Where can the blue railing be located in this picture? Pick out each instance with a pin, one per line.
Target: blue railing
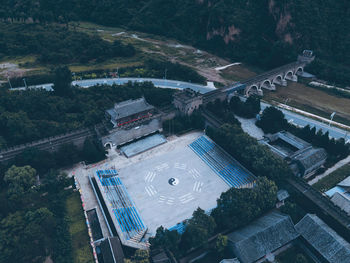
(124, 210)
(221, 163)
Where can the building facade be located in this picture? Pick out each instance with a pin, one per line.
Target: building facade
(129, 111)
(187, 101)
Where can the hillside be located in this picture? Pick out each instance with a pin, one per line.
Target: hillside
(265, 33)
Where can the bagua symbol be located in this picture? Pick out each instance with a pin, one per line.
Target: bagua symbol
(173, 181)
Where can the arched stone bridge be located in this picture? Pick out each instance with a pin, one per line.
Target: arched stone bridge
(278, 76)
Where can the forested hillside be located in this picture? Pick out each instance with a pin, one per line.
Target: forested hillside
(265, 33)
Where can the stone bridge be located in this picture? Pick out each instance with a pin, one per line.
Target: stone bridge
(269, 79)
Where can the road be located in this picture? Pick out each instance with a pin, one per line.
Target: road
(294, 118)
(302, 121)
(161, 83)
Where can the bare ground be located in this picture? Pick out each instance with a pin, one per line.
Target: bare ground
(312, 100)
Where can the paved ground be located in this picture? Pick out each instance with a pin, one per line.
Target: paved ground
(302, 121)
(146, 177)
(248, 126)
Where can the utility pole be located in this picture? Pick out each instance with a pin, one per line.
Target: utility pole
(8, 79)
(332, 116)
(25, 83)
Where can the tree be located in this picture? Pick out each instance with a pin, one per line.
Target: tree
(237, 207)
(165, 239)
(272, 120)
(221, 245)
(300, 258)
(141, 256)
(91, 152)
(62, 81)
(198, 229)
(20, 180)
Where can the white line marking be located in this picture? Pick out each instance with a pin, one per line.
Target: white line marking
(195, 174)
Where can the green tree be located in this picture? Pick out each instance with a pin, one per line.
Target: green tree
(272, 120)
(221, 245)
(165, 239)
(92, 153)
(198, 229)
(62, 81)
(141, 256)
(300, 258)
(20, 180)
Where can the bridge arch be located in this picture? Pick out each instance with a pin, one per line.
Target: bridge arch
(289, 75)
(299, 71)
(253, 89)
(266, 81)
(278, 79)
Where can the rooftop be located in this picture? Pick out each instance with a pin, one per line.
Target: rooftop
(262, 236)
(324, 239)
(342, 200)
(186, 95)
(128, 108)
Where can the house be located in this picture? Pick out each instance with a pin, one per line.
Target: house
(129, 111)
(262, 237)
(187, 101)
(301, 156)
(323, 241)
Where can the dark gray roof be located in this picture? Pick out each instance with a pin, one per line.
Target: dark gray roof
(310, 157)
(262, 236)
(282, 195)
(129, 107)
(293, 140)
(121, 136)
(326, 241)
(232, 260)
(342, 200)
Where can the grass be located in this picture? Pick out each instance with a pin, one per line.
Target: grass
(312, 100)
(289, 256)
(333, 179)
(78, 231)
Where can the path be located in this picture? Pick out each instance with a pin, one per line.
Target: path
(330, 170)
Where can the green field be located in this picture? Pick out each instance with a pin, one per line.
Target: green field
(78, 231)
(333, 179)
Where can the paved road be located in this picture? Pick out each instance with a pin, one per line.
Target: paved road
(303, 121)
(162, 83)
(173, 84)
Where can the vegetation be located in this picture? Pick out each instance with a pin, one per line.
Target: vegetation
(333, 179)
(272, 120)
(293, 255)
(182, 123)
(236, 208)
(277, 33)
(82, 252)
(254, 156)
(293, 210)
(33, 225)
(248, 109)
(56, 44)
(22, 121)
(140, 256)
